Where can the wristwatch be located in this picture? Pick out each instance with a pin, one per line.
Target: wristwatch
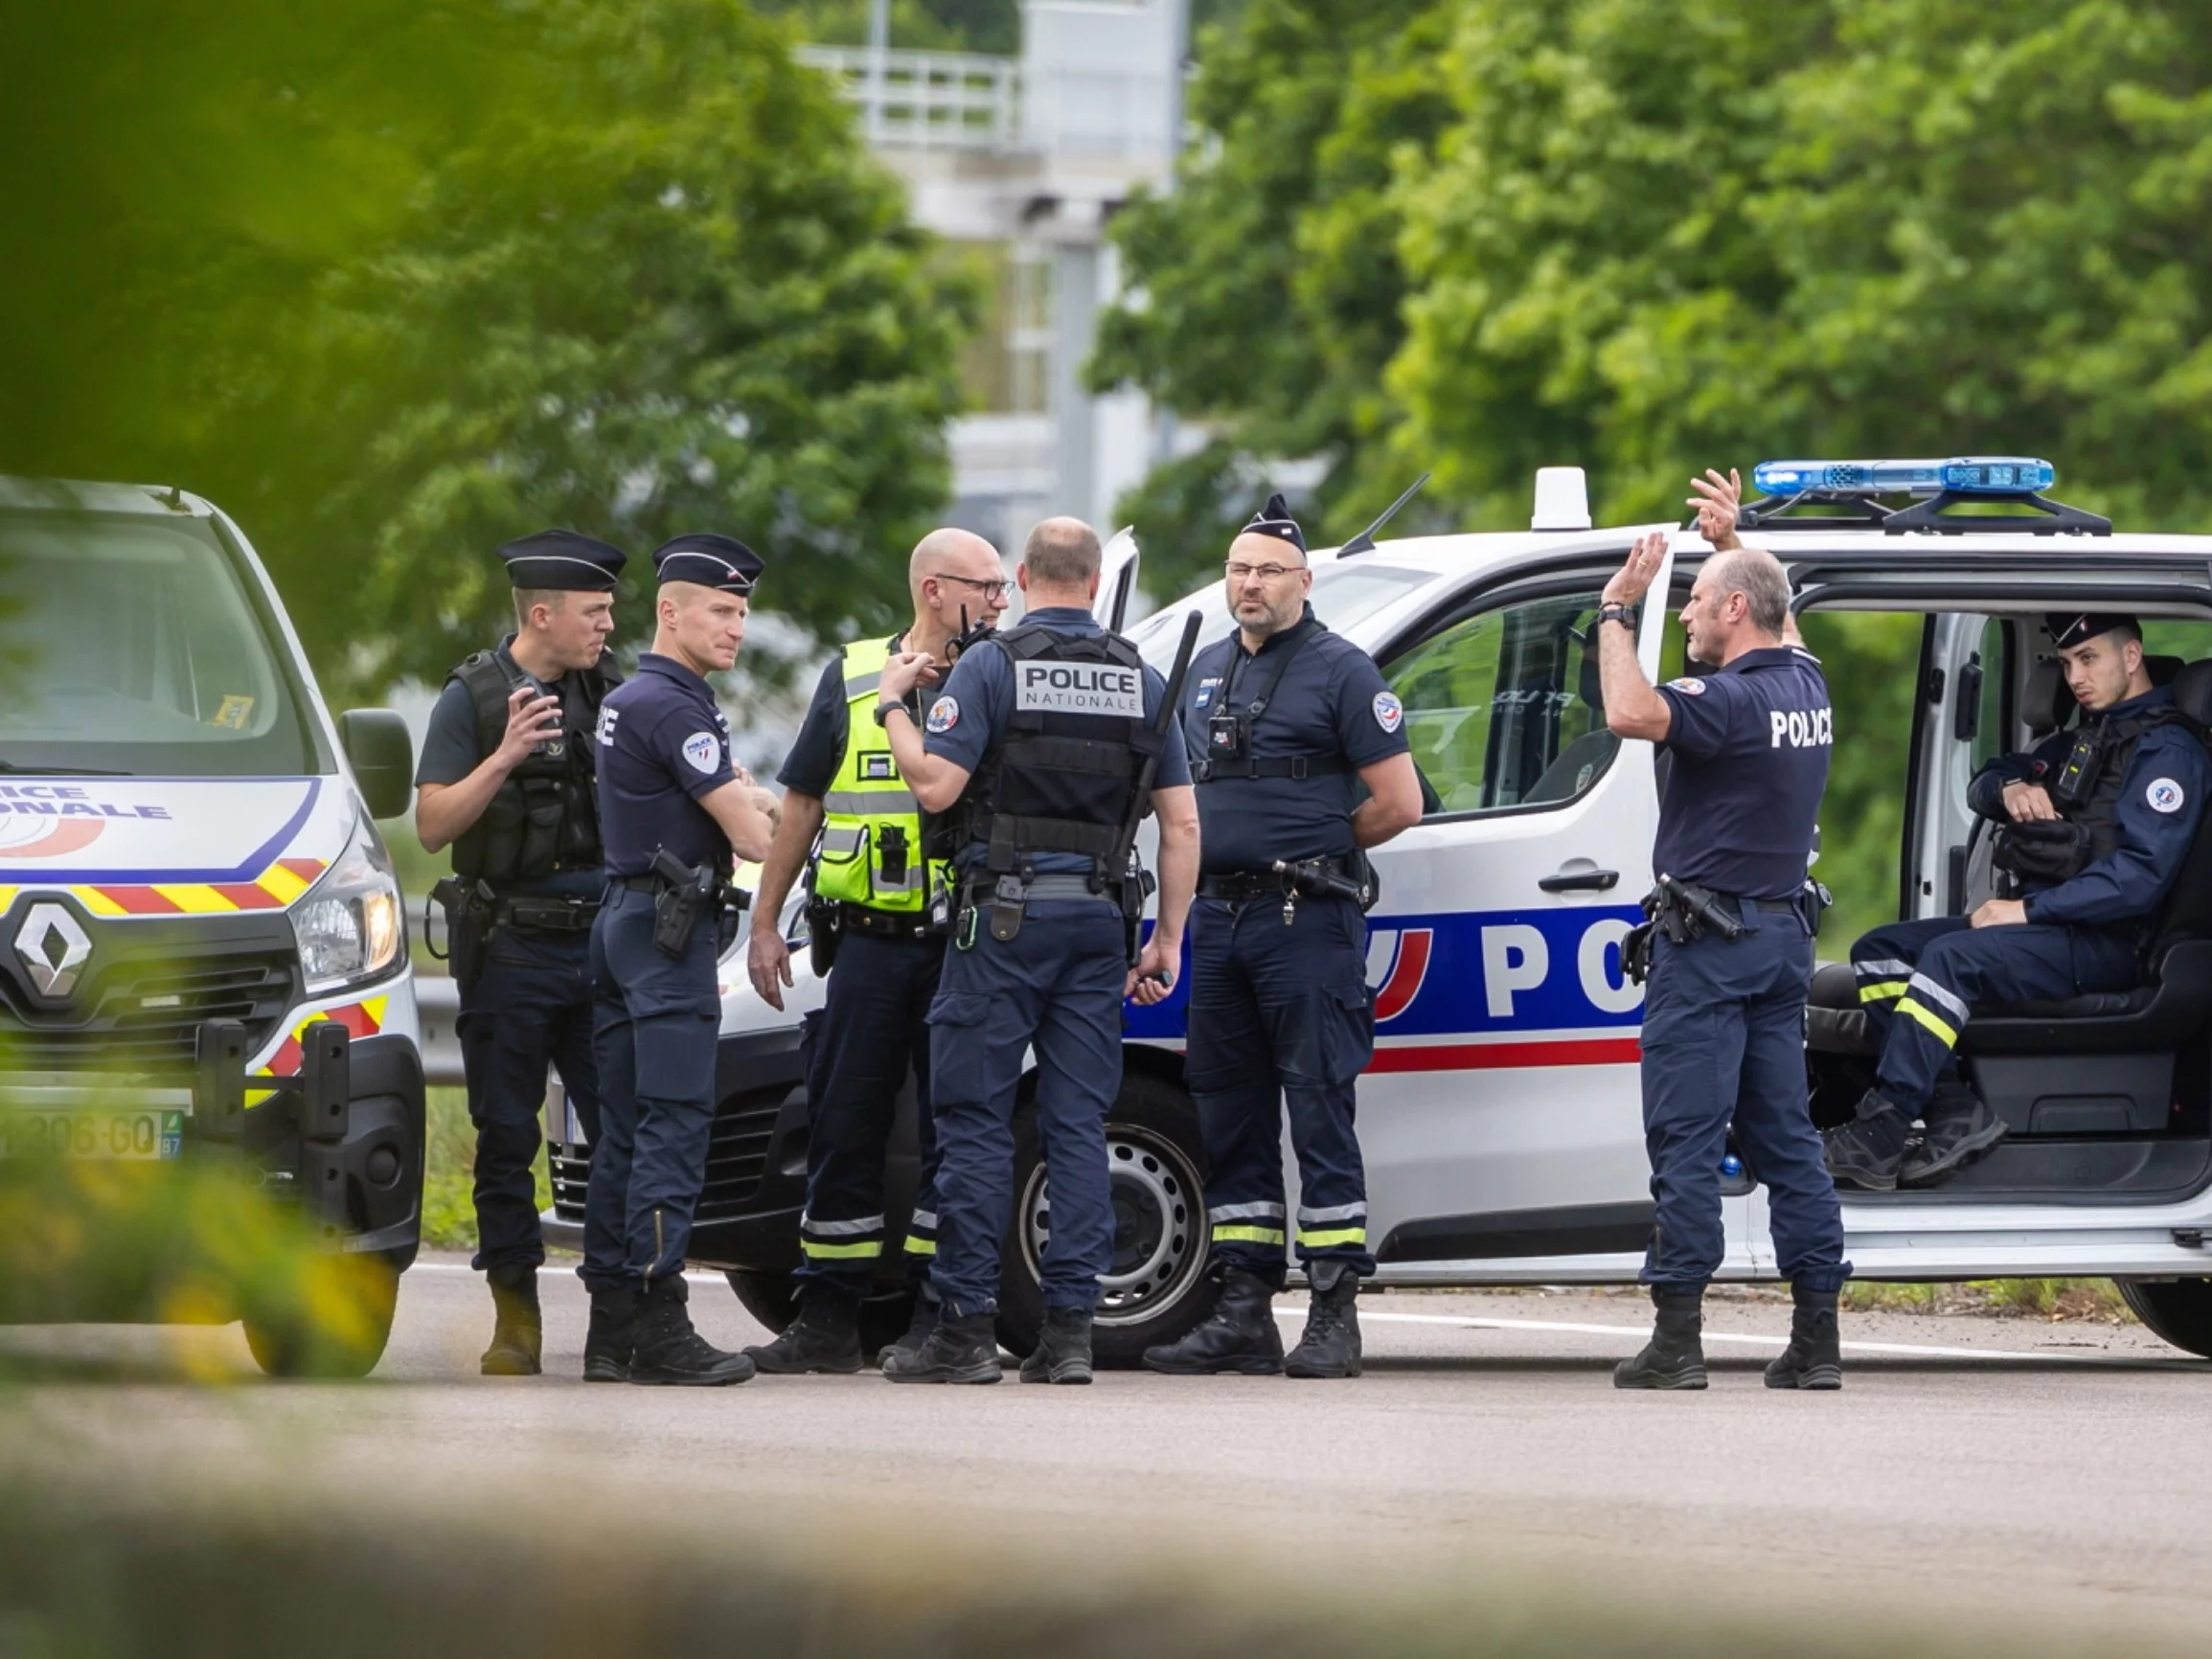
(884, 714)
(1623, 614)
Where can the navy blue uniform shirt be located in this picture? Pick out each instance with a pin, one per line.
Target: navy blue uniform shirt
(969, 718)
(1330, 700)
(662, 745)
(451, 751)
(2155, 818)
(1751, 746)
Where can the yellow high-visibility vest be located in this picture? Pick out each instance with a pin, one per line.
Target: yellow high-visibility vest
(871, 823)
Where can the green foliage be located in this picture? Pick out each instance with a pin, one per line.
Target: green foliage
(449, 1173)
(393, 285)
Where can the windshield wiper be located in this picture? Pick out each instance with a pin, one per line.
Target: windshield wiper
(60, 771)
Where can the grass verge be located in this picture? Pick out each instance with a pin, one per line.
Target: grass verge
(2089, 1301)
(449, 1161)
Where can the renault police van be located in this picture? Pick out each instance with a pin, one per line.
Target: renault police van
(202, 954)
(1500, 1118)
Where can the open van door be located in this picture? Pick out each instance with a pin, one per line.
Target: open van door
(1117, 580)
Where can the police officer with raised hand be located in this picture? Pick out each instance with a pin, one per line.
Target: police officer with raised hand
(1729, 951)
(672, 809)
(1049, 740)
(506, 781)
(885, 908)
(2094, 826)
(1292, 724)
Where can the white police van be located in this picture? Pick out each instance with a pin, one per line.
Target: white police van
(202, 955)
(1500, 1118)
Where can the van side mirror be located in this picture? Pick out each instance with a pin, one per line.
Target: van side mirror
(382, 757)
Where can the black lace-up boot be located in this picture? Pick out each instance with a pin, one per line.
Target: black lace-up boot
(1815, 1357)
(517, 1328)
(1330, 1345)
(1063, 1351)
(1868, 1152)
(956, 1350)
(1961, 1130)
(670, 1351)
(826, 1336)
(1674, 1357)
(613, 1335)
(1241, 1336)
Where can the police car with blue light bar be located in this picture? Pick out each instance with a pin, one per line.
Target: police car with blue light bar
(1500, 1119)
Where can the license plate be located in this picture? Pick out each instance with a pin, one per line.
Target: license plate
(89, 1133)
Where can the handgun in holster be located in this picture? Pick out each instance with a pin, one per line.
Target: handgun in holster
(469, 907)
(1326, 878)
(679, 902)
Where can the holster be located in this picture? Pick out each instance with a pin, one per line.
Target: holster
(2051, 849)
(1636, 953)
(1009, 908)
(469, 907)
(679, 902)
(825, 933)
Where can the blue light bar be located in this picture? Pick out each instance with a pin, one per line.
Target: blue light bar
(1961, 475)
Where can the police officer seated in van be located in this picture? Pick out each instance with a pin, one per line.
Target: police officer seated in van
(2093, 826)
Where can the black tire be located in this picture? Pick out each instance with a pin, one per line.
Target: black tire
(773, 1300)
(2178, 1309)
(1159, 1288)
(346, 1343)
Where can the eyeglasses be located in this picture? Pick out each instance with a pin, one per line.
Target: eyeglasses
(989, 589)
(1264, 572)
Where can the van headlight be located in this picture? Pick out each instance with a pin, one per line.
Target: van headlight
(348, 924)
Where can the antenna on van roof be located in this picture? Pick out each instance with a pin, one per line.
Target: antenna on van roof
(1364, 541)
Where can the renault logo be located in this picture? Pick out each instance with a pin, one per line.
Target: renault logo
(53, 947)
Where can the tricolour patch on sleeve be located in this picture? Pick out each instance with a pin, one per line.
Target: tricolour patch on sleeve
(1389, 711)
(1695, 687)
(944, 714)
(2164, 795)
(704, 751)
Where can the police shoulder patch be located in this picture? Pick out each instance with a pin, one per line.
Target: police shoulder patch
(703, 750)
(2164, 795)
(944, 714)
(1695, 687)
(1389, 711)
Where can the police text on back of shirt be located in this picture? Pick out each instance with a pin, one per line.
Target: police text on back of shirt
(1080, 688)
(1801, 728)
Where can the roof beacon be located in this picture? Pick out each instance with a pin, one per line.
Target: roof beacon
(2011, 475)
(1563, 499)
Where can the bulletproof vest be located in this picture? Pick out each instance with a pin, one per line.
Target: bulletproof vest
(870, 849)
(1064, 777)
(544, 817)
(2087, 789)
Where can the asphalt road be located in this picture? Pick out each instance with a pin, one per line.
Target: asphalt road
(2001, 1475)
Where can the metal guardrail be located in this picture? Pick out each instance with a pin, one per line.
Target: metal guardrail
(927, 100)
(437, 1004)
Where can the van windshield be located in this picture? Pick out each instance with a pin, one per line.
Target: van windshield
(1344, 594)
(128, 644)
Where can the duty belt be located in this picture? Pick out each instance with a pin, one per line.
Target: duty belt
(983, 889)
(1237, 886)
(546, 914)
(884, 924)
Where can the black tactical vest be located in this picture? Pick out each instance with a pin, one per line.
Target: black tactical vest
(1063, 779)
(545, 815)
(2096, 805)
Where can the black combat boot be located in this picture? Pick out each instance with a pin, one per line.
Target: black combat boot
(1815, 1358)
(1961, 1130)
(1674, 1357)
(668, 1351)
(962, 1350)
(1063, 1350)
(613, 1335)
(826, 1336)
(1240, 1336)
(918, 1327)
(1330, 1345)
(517, 1329)
(1867, 1151)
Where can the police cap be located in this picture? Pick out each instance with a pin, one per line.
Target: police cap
(562, 559)
(1274, 519)
(2068, 629)
(708, 560)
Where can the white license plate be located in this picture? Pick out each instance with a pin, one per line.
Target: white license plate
(92, 1132)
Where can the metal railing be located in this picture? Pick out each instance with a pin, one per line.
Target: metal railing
(927, 100)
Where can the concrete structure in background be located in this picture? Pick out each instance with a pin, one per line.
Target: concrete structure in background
(1025, 159)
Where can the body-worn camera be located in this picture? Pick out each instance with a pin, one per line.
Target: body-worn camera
(1229, 737)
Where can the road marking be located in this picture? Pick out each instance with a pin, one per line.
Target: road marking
(1642, 1332)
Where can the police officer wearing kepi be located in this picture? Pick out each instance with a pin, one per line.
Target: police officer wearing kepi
(672, 809)
(506, 781)
(883, 908)
(1293, 725)
(2093, 826)
(1051, 738)
(1730, 953)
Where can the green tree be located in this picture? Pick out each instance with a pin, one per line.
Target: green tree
(630, 270)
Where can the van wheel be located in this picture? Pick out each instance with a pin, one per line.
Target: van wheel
(1157, 1288)
(338, 1330)
(2178, 1309)
(773, 1300)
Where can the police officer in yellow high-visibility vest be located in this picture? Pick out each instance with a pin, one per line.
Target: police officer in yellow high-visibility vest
(847, 811)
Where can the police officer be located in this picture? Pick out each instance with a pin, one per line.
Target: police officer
(1042, 735)
(1730, 957)
(506, 781)
(672, 811)
(2094, 827)
(1292, 725)
(884, 907)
